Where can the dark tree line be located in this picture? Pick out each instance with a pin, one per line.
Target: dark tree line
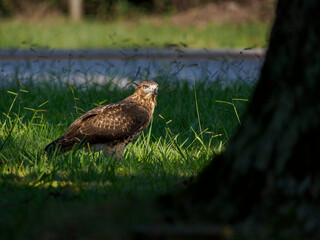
(104, 9)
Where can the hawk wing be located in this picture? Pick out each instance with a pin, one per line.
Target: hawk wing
(113, 122)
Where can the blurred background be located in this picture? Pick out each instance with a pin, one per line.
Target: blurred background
(79, 24)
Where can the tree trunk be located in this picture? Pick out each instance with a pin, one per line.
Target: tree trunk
(76, 9)
(271, 167)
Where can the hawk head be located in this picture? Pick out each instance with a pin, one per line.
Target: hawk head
(147, 90)
(145, 95)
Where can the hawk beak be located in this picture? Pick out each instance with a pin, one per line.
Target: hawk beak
(155, 91)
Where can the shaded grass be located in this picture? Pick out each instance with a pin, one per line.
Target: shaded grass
(61, 34)
(191, 123)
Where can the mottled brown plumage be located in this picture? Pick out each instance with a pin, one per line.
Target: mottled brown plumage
(111, 127)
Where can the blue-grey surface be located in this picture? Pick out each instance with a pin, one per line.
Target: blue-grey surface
(100, 66)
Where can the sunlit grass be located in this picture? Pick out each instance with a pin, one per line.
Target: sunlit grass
(61, 34)
(192, 122)
(196, 126)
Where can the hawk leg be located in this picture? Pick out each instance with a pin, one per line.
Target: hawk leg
(117, 150)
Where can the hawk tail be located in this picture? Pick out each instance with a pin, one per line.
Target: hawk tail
(62, 145)
(52, 147)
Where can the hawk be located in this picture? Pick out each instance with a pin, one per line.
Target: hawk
(111, 127)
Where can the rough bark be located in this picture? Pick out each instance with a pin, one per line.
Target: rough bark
(273, 161)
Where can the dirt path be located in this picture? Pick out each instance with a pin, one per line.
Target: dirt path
(132, 54)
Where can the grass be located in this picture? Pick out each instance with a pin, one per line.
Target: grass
(52, 197)
(62, 34)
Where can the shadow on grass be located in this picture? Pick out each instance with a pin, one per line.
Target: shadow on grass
(65, 211)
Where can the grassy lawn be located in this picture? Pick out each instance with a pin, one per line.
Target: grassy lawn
(81, 194)
(62, 34)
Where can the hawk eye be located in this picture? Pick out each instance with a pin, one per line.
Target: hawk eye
(144, 86)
